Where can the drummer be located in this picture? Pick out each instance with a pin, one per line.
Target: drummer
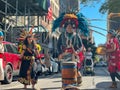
(71, 25)
(70, 40)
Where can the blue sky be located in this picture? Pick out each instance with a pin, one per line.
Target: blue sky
(93, 13)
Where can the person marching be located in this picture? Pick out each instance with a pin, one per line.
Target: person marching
(29, 52)
(112, 53)
(69, 41)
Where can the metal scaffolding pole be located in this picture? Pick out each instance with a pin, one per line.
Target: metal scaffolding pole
(6, 7)
(25, 16)
(28, 18)
(16, 11)
(38, 22)
(8, 4)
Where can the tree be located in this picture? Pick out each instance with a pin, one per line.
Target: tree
(111, 6)
(108, 5)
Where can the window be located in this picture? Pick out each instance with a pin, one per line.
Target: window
(15, 49)
(5, 49)
(9, 48)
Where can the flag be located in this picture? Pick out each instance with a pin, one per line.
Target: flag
(49, 14)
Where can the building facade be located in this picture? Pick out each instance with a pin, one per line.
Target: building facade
(66, 5)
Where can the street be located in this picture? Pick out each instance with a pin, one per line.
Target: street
(38, 35)
(101, 81)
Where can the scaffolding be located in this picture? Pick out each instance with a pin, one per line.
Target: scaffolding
(17, 8)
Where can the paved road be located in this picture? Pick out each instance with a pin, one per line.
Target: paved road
(101, 81)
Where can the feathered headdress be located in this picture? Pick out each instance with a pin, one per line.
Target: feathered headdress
(25, 33)
(77, 20)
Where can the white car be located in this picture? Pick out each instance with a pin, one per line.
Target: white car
(43, 69)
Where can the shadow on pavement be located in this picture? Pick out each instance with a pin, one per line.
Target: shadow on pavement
(106, 85)
(57, 81)
(50, 88)
(21, 89)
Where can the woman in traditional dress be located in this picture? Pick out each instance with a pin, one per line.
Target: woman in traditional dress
(27, 74)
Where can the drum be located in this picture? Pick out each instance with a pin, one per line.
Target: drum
(69, 73)
(101, 50)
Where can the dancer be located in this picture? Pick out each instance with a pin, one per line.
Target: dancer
(71, 25)
(29, 52)
(112, 51)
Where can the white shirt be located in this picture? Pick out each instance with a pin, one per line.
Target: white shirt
(88, 55)
(1, 48)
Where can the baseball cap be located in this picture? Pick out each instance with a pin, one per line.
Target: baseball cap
(1, 33)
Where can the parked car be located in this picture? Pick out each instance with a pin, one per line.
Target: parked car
(38, 67)
(42, 69)
(11, 61)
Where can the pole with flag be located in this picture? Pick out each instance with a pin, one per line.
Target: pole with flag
(49, 14)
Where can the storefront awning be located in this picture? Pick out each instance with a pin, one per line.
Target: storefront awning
(40, 28)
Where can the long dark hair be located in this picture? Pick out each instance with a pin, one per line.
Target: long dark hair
(26, 42)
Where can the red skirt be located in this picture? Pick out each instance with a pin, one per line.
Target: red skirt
(114, 68)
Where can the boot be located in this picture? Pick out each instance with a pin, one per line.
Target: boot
(114, 85)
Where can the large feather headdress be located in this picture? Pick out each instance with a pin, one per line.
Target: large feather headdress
(25, 33)
(76, 19)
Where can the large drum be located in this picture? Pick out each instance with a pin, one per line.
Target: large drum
(69, 73)
(101, 50)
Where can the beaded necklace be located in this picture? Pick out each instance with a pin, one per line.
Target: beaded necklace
(69, 38)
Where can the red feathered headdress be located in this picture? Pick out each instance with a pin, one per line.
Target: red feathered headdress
(69, 19)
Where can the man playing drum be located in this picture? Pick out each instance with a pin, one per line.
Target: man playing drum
(69, 42)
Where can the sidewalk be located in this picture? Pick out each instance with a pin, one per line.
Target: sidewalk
(89, 83)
